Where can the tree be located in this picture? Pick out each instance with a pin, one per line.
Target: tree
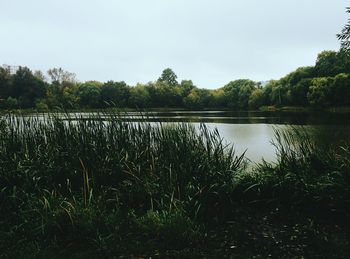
(89, 94)
(341, 90)
(27, 88)
(198, 99)
(5, 82)
(60, 75)
(40, 75)
(256, 99)
(332, 63)
(164, 95)
(320, 93)
(169, 77)
(139, 96)
(237, 93)
(204, 97)
(298, 93)
(217, 99)
(192, 101)
(70, 98)
(344, 36)
(115, 94)
(186, 86)
(299, 74)
(275, 92)
(62, 92)
(11, 103)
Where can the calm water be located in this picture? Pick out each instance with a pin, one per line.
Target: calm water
(253, 132)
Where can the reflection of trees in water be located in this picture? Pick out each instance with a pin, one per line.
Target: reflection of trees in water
(331, 136)
(324, 137)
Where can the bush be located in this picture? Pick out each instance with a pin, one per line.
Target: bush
(41, 106)
(11, 103)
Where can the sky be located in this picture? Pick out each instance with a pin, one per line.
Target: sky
(211, 42)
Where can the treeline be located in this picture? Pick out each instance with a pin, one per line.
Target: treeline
(327, 84)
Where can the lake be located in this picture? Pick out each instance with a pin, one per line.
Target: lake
(252, 132)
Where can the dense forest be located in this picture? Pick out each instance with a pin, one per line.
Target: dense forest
(326, 84)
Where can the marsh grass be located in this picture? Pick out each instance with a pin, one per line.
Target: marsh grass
(61, 174)
(307, 176)
(121, 188)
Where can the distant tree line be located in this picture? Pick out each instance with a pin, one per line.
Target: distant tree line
(327, 84)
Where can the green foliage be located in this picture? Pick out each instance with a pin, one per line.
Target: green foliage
(192, 100)
(307, 86)
(306, 173)
(5, 82)
(163, 94)
(186, 87)
(11, 103)
(69, 95)
(89, 94)
(198, 99)
(303, 87)
(238, 92)
(168, 76)
(299, 92)
(217, 99)
(26, 87)
(344, 36)
(319, 94)
(118, 188)
(175, 227)
(299, 74)
(256, 99)
(139, 96)
(61, 76)
(115, 94)
(341, 90)
(331, 63)
(41, 106)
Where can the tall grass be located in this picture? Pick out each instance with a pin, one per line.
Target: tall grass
(61, 175)
(144, 165)
(306, 176)
(116, 186)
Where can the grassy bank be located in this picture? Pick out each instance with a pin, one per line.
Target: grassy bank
(76, 188)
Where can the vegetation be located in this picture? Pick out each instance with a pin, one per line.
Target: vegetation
(344, 36)
(101, 187)
(327, 84)
(73, 186)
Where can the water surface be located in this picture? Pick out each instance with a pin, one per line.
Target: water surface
(250, 132)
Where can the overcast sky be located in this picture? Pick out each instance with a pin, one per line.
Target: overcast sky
(209, 41)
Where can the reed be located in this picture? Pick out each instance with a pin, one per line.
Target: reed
(71, 182)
